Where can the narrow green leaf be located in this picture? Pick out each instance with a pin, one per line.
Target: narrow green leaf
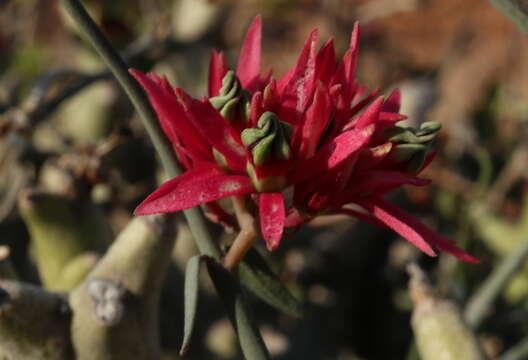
(192, 273)
(251, 342)
(257, 277)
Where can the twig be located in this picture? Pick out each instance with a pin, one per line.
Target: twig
(518, 352)
(512, 171)
(246, 237)
(479, 304)
(516, 10)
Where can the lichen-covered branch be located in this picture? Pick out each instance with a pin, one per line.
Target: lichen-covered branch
(115, 310)
(438, 325)
(62, 230)
(34, 323)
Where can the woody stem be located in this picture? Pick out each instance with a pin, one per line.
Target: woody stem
(246, 237)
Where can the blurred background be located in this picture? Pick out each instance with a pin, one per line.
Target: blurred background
(67, 131)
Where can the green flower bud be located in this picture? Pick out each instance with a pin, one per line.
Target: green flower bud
(412, 145)
(425, 134)
(233, 101)
(270, 137)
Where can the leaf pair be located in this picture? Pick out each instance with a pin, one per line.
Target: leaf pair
(256, 276)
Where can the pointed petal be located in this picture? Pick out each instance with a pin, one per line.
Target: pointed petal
(297, 92)
(332, 154)
(414, 230)
(215, 129)
(171, 116)
(344, 122)
(316, 120)
(371, 114)
(248, 69)
(217, 71)
(272, 216)
(257, 109)
(325, 63)
(354, 53)
(346, 70)
(390, 118)
(390, 220)
(330, 187)
(188, 190)
(374, 180)
(195, 174)
(392, 104)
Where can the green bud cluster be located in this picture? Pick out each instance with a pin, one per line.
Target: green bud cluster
(412, 145)
(233, 102)
(270, 137)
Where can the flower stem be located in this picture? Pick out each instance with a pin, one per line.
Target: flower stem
(245, 328)
(246, 237)
(197, 223)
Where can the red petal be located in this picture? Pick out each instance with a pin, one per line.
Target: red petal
(400, 226)
(371, 114)
(171, 116)
(373, 180)
(346, 71)
(330, 187)
(316, 120)
(392, 104)
(217, 71)
(272, 216)
(189, 190)
(332, 154)
(257, 109)
(216, 129)
(390, 118)
(413, 230)
(248, 69)
(325, 63)
(300, 86)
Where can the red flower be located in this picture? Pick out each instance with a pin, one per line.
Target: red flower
(315, 133)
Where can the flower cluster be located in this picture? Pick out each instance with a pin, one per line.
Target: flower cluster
(312, 142)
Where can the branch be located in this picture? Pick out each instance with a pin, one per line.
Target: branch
(438, 326)
(518, 352)
(115, 310)
(34, 323)
(62, 232)
(516, 10)
(246, 237)
(481, 301)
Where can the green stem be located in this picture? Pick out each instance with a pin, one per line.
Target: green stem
(197, 223)
(194, 216)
